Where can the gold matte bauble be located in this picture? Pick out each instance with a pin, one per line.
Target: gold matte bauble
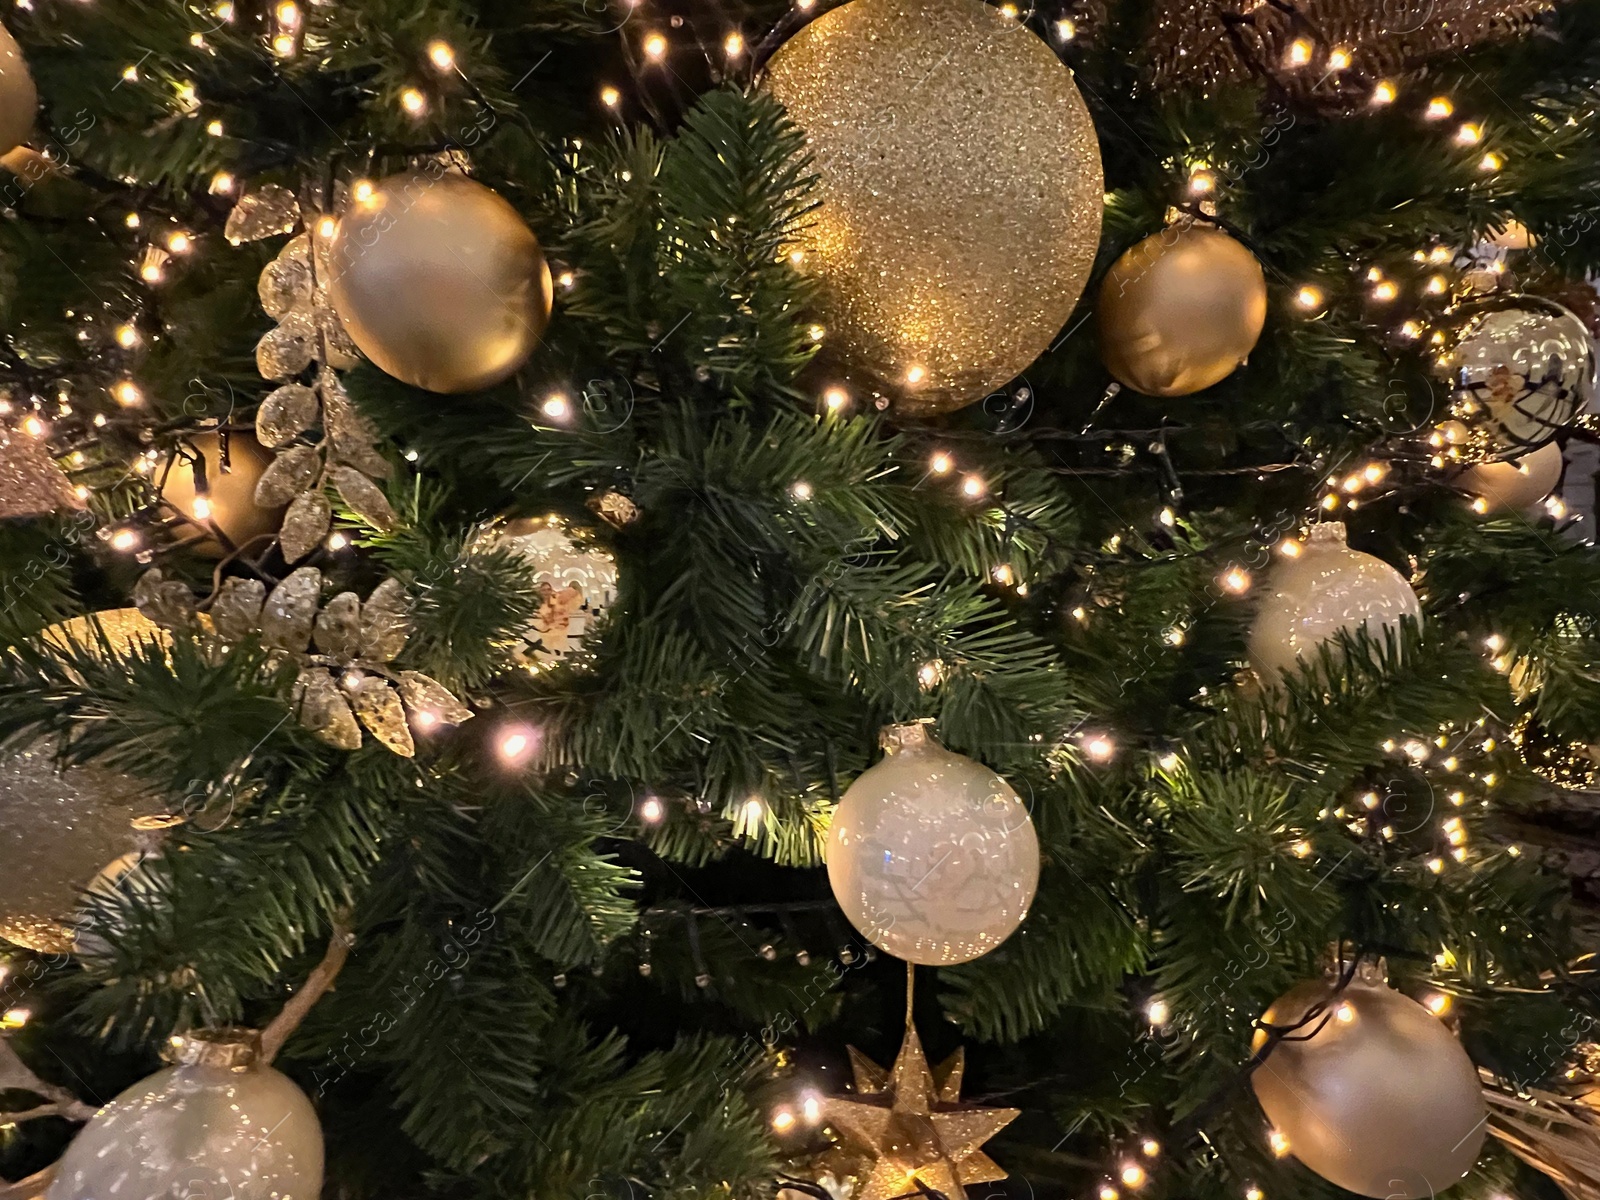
(230, 494)
(1326, 589)
(932, 856)
(1380, 1099)
(1518, 484)
(19, 99)
(439, 282)
(960, 187)
(1181, 310)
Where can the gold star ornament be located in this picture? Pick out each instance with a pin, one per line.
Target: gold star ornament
(911, 1124)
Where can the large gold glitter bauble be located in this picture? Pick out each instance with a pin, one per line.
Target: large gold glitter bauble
(19, 99)
(230, 495)
(961, 192)
(58, 831)
(1181, 310)
(439, 281)
(123, 629)
(1375, 1094)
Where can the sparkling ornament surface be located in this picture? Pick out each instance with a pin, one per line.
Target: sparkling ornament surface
(267, 210)
(439, 282)
(578, 584)
(31, 484)
(19, 99)
(1380, 1099)
(932, 856)
(58, 830)
(230, 494)
(1181, 310)
(216, 1124)
(1327, 589)
(961, 192)
(909, 1120)
(1517, 484)
(1522, 368)
(125, 630)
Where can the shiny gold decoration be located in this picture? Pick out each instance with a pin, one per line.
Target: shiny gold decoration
(961, 192)
(124, 630)
(60, 829)
(1181, 310)
(614, 509)
(1374, 1094)
(19, 99)
(31, 484)
(230, 490)
(911, 1123)
(439, 281)
(1571, 765)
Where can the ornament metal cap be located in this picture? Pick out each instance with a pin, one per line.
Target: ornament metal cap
(231, 1047)
(912, 735)
(1328, 533)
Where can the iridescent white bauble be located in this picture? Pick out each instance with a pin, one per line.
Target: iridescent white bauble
(1380, 1099)
(218, 1123)
(576, 583)
(932, 856)
(1515, 485)
(1326, 589)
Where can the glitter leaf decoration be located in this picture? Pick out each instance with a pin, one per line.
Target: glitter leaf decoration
(236, 612)
(306, 523)
(289, 611)
(354, 437)
(385, 622)
(378, 707)
(294, 471)
(167, 602)
(285, 283)
(423, 694)
(267, 210)
(31, 484)
(363, 497)
(321, 707)
(289, 349)
(286, 413)
(338, 629)
(340, 351)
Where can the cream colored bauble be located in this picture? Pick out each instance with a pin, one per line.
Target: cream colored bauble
(577, 584)
(932, 856)
(19, 99)
(1325, 589)
(230, 490)
(438, 281)
(961, 192)
(1516, 484)
(1380, 1098)
(217, 1123)
(1181, 310)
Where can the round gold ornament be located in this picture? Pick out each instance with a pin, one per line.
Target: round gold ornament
(230, 495)
(1378, 1098)
(961, 192)
(19, 99)
(439, 282)
(1516, 484)
(1181, 310)
(122, 629)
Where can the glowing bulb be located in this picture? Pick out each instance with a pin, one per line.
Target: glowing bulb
(1066, 30)
(414, 102)
(1436, 285)
(652, 811)
(733, 45)
(514, 746)
(1338, 59)
(327, 227)
(1202, 183)
(1383, 93)
(124, 540)
(224, 10)
(1290, 548)
(127, 336)
(1439, 108)
(940, 463)
(783, 1120)
(338, 540)
(811, 1109)
(800, 490)
(655, 47)
(1236, 580)
(179, 243)
(1168, 762)
(1132, 1175)
(1309, 298)
(1150, 1147)
(1344, 1014)
(1385, 291)
(1009, 12)
(130, 74)
(1438, 1004)
(566, 279)
(214, 128)
(288, 13)
(283, 45)
(34, 427)
(929, 674)
(1254, 1193)
(1099, 748)
(1279, 1142)
(221, 183)
(1301, 849)
(201, 508)
(916, 375)
(557, 407)
(753, 811)
(816, 332)
(1436, 865)
(610, 97)
(1491, 162)
(131, 220)
(127, 393)
(835, 399)
(441, 55)
(1299, 52)
(1410, 330)
(972, 486)
(1469, 134)
(1556, 507)
(1370, 801)
(14, 1018)
(1107, 1192)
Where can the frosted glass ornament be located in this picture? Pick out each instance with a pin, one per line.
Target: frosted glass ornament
(217, 1123)
(1518, 484)
(1326, 589)
(1380, 1099)
(932, 856)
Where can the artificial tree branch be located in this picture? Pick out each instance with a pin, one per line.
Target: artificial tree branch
(282, 1026)
(15, 1076)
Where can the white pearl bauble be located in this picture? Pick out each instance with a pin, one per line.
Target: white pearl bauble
(1381, 1099)
(932, 856)
(1326, 589)
(1518, 484)
(216, 1125)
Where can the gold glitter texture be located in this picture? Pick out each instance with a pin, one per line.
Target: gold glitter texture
(961, 190)
(31, 484)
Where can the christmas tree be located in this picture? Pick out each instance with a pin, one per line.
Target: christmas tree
(552, 548)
